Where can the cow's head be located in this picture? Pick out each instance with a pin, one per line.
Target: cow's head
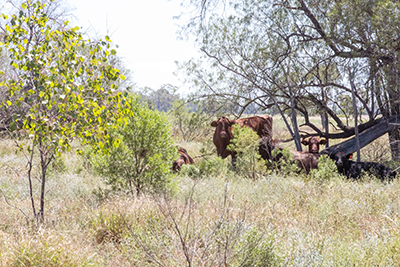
(313, 144)
(341, 159)
(222, 128)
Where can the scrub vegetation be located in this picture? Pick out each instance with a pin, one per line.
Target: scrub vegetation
(215, 217)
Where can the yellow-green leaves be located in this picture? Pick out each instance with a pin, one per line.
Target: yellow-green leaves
(51, 63)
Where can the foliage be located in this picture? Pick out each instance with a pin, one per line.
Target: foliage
(48, 66)
(209, 166)
(245, 143)
(326, 169)
(143, 158)
(160, 99)
(299, 56)
(335, 222)
(284, 163)
(108, 227)
(257, 250)
(190, 125)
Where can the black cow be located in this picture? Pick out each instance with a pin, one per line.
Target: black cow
(352, 169)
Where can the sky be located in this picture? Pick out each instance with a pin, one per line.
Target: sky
(145, 32)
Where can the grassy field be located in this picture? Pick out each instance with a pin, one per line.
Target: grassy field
(218, 219)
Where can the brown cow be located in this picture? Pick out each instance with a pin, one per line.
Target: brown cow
(184, 158)
(313, 144)
(262, 125)
(305, 160)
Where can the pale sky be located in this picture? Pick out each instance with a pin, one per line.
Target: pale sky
(145, 32)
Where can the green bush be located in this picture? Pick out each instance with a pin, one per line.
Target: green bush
(246, 142)
(256, 250)
(143, 159)
(285, 163)
(209, 166)
(326, 169)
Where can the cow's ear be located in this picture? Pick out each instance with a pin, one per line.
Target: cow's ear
(304, 142)
(323, 141)
(214, 124)
(349, 156)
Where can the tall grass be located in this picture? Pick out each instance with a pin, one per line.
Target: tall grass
(216, 219)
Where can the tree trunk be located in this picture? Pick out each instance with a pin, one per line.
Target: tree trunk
(394, 140)
(296, 136)
(324, 117)
(353, 100)
(366, 137)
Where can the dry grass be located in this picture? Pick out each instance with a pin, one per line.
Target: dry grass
(211, 221)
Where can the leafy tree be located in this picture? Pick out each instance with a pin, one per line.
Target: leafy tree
(190, 125)
(48, 68)
(245, 143)
(160, 99)
(300, 53)
(143, 159)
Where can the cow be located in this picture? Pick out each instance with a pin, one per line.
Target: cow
(305, 160)
(262, 125)
(352, 169)
(184, 158)
(313, 144)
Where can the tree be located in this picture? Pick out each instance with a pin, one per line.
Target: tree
(143, 159)
(160, 99)
(284, 52)
(48, 72)
(191, 125)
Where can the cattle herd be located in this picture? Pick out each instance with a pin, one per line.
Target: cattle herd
(306, 160)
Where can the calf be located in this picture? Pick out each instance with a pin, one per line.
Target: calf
(184, 158)
(352, 169)
(306, 161)
(313, 144)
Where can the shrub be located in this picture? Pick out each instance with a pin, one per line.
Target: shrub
(285, 163)
(326, 169)
(246, 143)
(209, 166)
(255, 249)
(143, 159)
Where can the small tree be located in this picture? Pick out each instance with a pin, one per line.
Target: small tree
(143, 159)
(245, 143)
(49, 73)
(190, 125)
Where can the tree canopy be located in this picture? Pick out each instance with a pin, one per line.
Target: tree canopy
(65, 83)
(302, 57)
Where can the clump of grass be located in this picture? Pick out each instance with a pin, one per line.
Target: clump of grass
(43, 248)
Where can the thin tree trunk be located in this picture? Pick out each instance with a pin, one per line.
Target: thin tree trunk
(394, 140)
(30, 166)
(324, 117)
(356, 133)
(294, 124)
